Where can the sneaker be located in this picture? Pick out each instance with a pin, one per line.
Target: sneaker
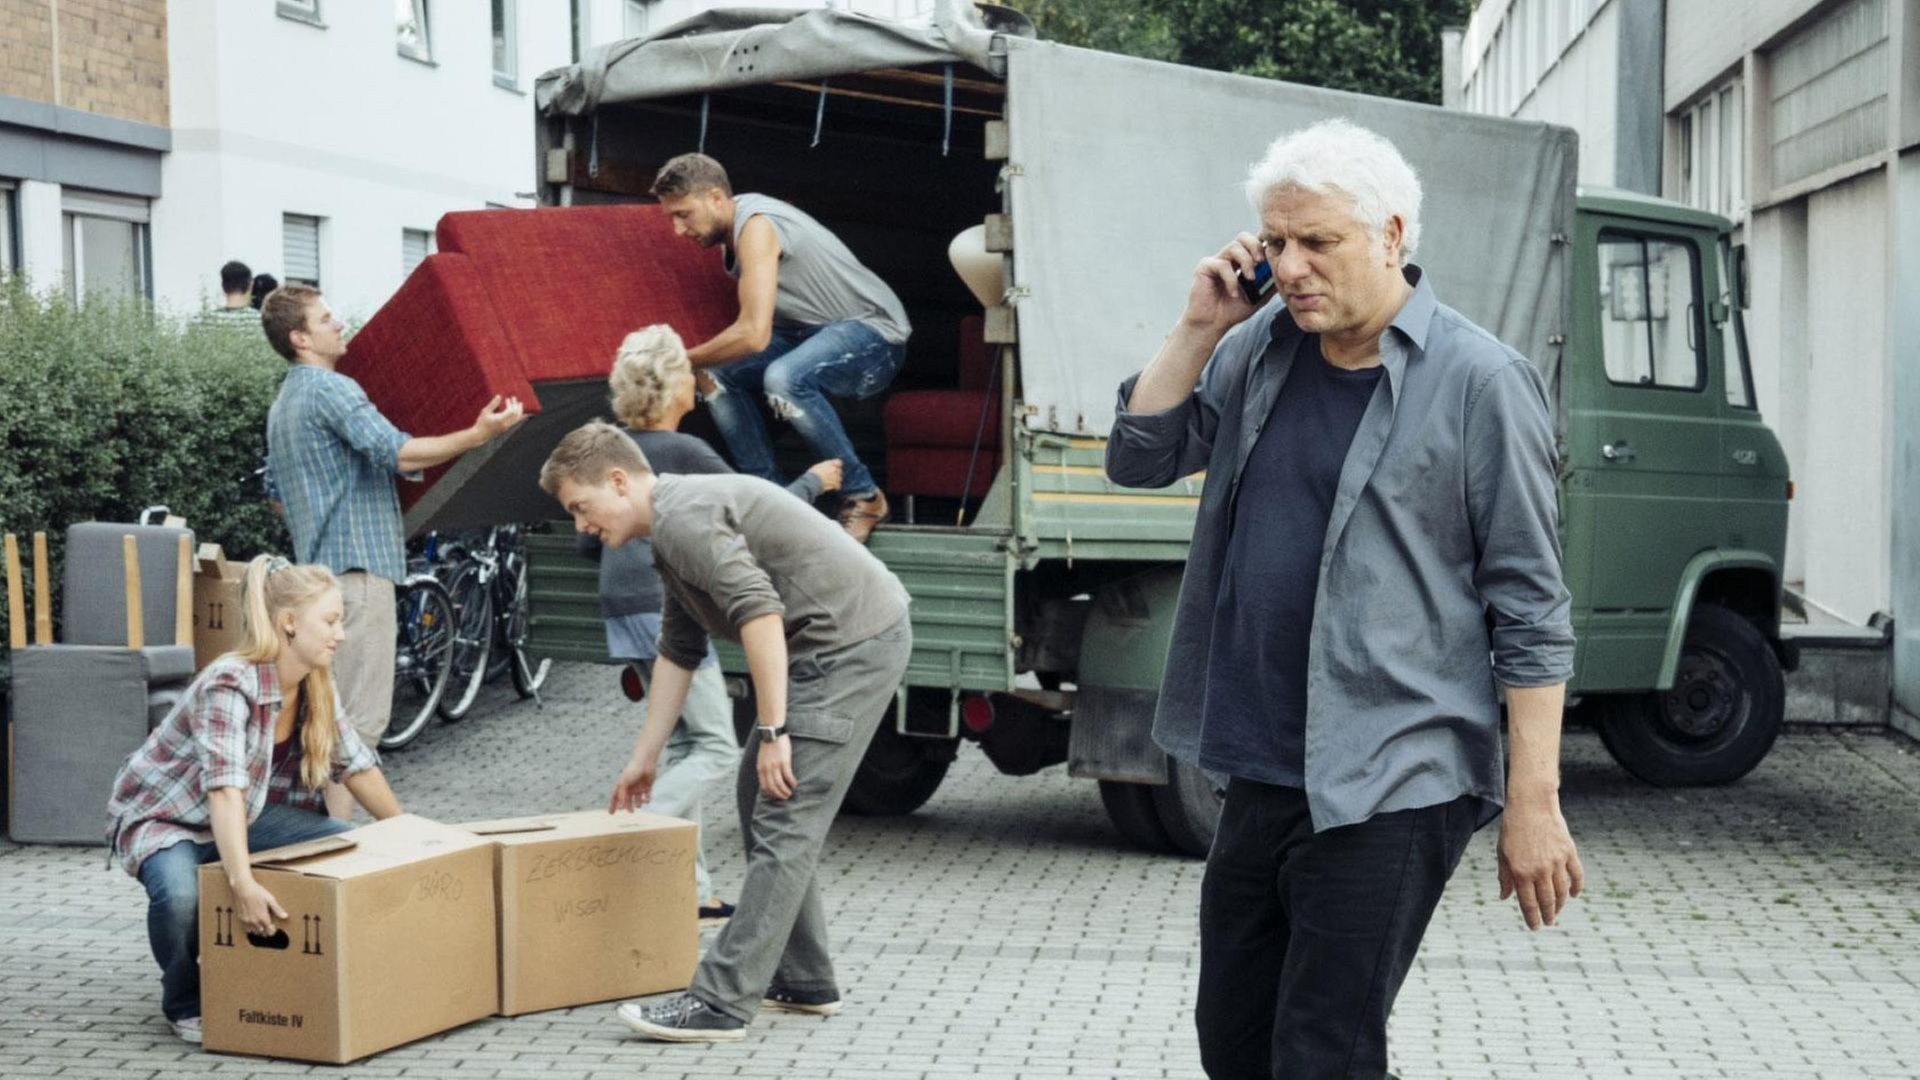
(682, 1019)
(811, 1002)
(859, 516)
(715, 913)
(188, 1030)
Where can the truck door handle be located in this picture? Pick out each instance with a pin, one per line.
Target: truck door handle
(1621, 451)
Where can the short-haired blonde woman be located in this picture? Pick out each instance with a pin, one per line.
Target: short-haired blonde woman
(652, 391)
(241, 765)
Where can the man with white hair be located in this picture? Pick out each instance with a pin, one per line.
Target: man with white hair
(1375, 549)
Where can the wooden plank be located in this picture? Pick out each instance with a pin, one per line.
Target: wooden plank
(183, 594)
(42, 592)
(16, 603)
(136, 625)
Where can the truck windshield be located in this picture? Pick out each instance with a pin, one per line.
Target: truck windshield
(1733, 332)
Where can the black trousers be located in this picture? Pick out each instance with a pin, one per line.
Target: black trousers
(1305, 939)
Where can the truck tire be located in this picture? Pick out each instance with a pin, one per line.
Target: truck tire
(1719, 720)
(1189, 809)
(899, 772)
(1130, 807)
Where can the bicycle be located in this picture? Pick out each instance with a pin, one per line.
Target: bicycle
(423, 656)
(488, 586)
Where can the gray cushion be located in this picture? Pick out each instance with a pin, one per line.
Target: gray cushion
(78, 711)
(93, 598)
(168, 663)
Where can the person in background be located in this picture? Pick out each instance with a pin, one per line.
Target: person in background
(813, 321)
(262, 285)
(236, 281)
(240, 766)
(652, 390)
(331, 460)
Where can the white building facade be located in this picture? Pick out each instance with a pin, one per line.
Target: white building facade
(321, 140)
(1800, 121)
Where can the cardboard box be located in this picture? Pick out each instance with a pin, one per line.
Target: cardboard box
(593, 906)
(389, 938)
(217, 606)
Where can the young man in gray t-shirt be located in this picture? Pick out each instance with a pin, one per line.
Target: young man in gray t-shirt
(824, 626)
(813, 321)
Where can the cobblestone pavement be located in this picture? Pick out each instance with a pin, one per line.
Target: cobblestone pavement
(1768, 929)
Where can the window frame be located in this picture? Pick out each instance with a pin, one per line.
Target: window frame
(287, 276)
(508, 28)
(423, 19)
(427, 248)
(10, 254)
(1696, 308)
(79, 206)
(300, 11)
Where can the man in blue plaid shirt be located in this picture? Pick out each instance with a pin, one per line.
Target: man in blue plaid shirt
(331, 460)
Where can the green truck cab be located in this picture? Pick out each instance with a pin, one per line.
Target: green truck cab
(1042, 611)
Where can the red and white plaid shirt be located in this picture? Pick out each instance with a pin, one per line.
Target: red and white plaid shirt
(219, 736)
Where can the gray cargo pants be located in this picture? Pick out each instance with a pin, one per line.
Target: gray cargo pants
(778, 933)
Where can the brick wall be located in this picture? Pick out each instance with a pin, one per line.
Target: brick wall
(113, 55)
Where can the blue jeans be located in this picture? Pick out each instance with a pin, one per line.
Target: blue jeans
(796, 371)
(172, 878)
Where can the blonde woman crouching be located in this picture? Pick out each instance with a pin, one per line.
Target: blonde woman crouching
(241, 765)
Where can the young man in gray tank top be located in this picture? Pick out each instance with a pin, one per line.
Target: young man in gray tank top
(813, 322)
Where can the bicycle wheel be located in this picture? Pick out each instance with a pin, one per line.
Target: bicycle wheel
(472, 597)
(423, 658)
(528, 677)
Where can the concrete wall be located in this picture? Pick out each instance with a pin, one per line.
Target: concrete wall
(1707, 40)
(1905, 335)
(1845, 473)
(1582, 84)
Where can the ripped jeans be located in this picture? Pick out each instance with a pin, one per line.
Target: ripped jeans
(796, 371)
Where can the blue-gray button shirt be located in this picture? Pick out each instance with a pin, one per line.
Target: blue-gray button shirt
(1439, 574)
(331, 460)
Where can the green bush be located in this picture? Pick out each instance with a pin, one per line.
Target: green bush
(107, 408)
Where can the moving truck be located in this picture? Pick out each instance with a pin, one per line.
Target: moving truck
(1043, 594)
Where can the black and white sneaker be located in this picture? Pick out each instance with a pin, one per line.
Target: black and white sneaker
(682, 1019)
(811, 1002)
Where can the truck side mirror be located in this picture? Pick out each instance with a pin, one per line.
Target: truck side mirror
(1742, 297)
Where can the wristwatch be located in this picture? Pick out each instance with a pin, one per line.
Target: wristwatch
(770, 733)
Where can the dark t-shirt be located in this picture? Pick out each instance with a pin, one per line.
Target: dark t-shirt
(1254, 724)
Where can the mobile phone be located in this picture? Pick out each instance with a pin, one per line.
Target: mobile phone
(1256, 288)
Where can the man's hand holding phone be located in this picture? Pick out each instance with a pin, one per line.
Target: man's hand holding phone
(1230, 285)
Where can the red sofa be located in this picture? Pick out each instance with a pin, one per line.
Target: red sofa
(529, 303)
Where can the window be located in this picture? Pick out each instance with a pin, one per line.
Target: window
(639, 18)
(1650, 311)
(415, 246)
(414, 35)
(1709, 152)
(306, 11)
(300, 249)
(506, 44)
(9, 228)
(106, 246)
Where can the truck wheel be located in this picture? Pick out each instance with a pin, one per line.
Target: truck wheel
(1720, 718)
(1130, 808)
(1189, 809)
(899, 773)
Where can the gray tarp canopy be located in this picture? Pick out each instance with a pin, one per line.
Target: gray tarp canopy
(1125, 172)
(733, 47)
